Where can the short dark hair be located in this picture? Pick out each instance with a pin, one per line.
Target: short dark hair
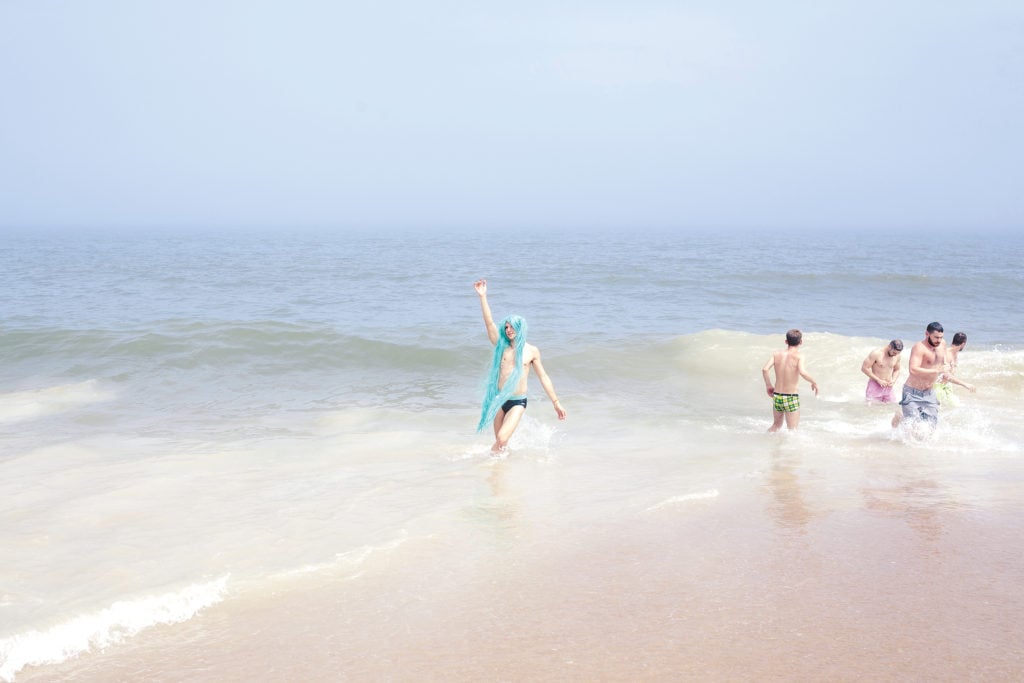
(959, 338)
(934, 327)
(794, 337)
(896, 345)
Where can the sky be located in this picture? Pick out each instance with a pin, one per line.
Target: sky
(845, 114)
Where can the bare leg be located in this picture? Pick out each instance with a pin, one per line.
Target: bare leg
(792, 420)
(504, 425)
(776, 421)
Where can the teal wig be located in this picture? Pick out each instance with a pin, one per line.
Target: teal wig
(493, 396)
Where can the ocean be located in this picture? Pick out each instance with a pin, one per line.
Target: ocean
(236, 457)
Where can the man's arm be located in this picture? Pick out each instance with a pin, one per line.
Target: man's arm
(549, 388)
(492, 330)
(953, 380)
(767, 379)
(869, 363)
(803, 373)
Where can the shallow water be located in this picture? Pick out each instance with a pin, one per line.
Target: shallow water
(227, 461)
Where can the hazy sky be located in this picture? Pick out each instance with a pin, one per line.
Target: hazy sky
(443, 114)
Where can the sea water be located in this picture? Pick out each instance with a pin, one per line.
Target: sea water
(253, 457)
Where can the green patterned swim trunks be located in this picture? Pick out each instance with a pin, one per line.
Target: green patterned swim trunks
(786, 403)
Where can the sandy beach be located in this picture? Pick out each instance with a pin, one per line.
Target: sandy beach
(234, 473)
(805, 569)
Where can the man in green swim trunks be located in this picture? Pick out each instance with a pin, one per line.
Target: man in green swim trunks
(944, 387)
(789, 368)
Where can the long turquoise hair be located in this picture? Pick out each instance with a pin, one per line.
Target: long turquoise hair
(493, 396)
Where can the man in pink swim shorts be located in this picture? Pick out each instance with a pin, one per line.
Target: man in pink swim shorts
(882, 366)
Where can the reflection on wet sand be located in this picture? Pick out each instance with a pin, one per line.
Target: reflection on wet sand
(787, 507)
(920, 502)
(501, 507)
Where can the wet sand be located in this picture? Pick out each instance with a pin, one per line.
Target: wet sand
(894, 579)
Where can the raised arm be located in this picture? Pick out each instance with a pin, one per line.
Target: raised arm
(549, 388)
(492, 330)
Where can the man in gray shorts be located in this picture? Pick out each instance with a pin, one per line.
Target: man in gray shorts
(920, 405)
(927, 364)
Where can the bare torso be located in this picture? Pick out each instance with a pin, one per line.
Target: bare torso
(926, 363)
(883, 365)
(952, 356)
(508, 358)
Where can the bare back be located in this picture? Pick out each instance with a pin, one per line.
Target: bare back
(788, 369)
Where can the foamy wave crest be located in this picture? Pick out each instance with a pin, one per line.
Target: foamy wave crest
(473, 451)
(674, 500)
(349, 562)
(113, 625)
(533, 436)
(27, 405)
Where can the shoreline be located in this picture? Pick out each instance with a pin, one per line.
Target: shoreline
(778, 578)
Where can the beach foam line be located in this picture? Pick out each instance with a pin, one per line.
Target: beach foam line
(27, 405)
(113, 625)
(350, 561)
(674, 500)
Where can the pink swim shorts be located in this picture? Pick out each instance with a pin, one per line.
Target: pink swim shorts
(876, 393)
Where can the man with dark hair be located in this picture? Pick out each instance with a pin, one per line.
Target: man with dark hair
(927, 363)
(944, 388)
(882, 366)
(789, 368)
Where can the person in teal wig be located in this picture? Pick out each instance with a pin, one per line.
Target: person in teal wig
(505, 392)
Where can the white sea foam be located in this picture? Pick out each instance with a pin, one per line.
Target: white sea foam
(349, 562)
(27, 405)
(112, 625)
(531, 436)
(852, 430)
(473, 451)
(675, 500)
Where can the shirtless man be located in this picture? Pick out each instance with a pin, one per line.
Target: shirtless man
(789, 368)
(944, 389)
(882, 366)
(505, 398)
(927, 362)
